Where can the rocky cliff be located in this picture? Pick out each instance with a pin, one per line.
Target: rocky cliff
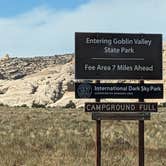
(43, 81)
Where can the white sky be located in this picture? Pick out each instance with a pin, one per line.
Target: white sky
(45, 31)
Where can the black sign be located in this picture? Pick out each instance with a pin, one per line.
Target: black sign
(120, 107)
(118, 90)
(118, 56)
(120, 116)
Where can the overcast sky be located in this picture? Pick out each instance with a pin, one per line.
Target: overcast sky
(47, 27)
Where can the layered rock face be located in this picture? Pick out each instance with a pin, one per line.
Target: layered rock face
(45, 81)
(40, 81)
(16, 68)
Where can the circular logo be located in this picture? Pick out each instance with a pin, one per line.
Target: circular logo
(84, 90)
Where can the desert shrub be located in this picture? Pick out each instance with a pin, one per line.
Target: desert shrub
(1, 104)
(24, 105)
(70, 105)
(162, 104)
(36, 105)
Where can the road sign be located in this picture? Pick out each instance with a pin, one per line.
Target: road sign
(118, 56)
(121, 107)
(118, 90)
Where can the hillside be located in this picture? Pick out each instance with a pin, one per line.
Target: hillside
(43, 81)
(17, 68)
(35, 81)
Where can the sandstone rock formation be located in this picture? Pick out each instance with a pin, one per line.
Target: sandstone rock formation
(6, 57)
(43, 83)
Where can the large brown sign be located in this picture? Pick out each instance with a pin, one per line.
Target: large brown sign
(118, 56)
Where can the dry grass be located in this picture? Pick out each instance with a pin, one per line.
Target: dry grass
(59, 137)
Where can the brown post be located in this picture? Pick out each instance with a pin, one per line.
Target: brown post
(98, 142)
(141, 136)
(98, 138)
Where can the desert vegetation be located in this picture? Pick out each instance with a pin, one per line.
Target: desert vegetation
(66, 137)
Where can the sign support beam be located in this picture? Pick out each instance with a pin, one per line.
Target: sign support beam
(98, 142)
(141, 136)
(98, 138)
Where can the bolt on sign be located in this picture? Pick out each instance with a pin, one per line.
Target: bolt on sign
(118, 56)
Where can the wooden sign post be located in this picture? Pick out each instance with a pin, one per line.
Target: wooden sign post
(141, 136)
(98, 138)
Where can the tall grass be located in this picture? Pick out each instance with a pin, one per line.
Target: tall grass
(66, 137)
